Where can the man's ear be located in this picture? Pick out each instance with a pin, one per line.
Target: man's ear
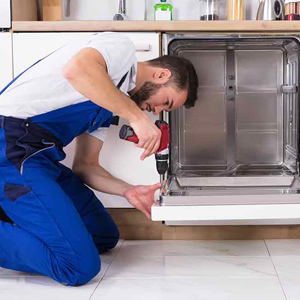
(162, 76)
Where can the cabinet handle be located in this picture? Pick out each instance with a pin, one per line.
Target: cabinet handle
(142, 47)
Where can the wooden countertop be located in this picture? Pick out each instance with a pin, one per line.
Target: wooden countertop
(158, 26)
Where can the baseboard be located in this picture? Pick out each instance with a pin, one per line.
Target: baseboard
(134, 225)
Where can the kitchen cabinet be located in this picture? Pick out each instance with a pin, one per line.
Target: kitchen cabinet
(6, 73)
(120, 158)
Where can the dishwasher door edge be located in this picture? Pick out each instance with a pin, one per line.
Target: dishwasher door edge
(225, 212)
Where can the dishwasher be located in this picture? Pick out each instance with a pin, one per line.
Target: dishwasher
(234, 157)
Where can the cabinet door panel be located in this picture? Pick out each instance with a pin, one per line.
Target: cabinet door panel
(120, 158)
(29, 47)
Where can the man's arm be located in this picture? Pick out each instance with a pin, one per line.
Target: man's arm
(87, 73)
(86, 166)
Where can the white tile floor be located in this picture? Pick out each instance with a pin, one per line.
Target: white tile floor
(189, 270)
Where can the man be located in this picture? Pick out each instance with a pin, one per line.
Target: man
(59, 226)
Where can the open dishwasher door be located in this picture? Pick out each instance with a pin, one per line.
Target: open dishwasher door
(235, 155)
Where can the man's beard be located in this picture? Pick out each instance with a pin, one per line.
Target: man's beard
(145, 92)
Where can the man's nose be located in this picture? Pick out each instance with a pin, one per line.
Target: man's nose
(157, 110)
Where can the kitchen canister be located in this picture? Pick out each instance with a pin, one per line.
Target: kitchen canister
(235, 10)
(24, 10)
(209, 10)
(56, 10)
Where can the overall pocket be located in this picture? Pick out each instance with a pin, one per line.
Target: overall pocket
(33, 143)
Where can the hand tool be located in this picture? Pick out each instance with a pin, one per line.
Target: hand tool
(162, 154)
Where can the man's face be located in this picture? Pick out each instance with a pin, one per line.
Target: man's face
(155, 98)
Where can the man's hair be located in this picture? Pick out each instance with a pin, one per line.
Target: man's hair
(183, 75)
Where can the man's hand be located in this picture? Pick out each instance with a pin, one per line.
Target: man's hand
(142, 197)
(148, 133)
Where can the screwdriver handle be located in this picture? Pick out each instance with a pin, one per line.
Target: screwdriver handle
(127, 132)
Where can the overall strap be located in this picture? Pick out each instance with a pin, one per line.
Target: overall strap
(122, 80)
(116, 119)
(5, 88)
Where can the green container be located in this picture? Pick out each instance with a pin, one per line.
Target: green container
(163, 11)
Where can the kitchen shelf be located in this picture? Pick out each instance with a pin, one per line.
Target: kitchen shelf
(158, 26)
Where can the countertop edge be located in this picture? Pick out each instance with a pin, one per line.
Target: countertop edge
(157, 26)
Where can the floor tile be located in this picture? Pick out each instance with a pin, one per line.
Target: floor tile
(109, 256)
(194, 248)
(189, 289)
(288, 269)
(42, 287)
(11, 273)
(283, 247)
(106, 259)
(210, 270)
(193, 266)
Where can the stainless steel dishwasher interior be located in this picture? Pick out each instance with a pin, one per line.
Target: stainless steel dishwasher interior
(242, 136)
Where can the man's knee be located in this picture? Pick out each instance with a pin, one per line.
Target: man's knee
(89, 267)
(109, 241)
(114, 237)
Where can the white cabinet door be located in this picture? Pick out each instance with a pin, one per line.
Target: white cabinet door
(120, 158)
(6, 69)
(30, 47)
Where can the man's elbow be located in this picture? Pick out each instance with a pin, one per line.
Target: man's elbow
(83, 64)
(78, 169)
(83, 167)
(72, 70)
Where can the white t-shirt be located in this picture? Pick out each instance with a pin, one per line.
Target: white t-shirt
(43, 88)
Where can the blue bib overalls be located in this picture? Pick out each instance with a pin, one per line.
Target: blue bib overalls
(60, 227)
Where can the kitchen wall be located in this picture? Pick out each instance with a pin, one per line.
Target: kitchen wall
(140, 9)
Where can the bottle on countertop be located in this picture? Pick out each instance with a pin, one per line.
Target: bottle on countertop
(163, 11)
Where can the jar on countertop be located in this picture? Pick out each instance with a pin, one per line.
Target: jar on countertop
(209, 10)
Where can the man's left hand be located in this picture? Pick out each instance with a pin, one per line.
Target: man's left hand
(142, 197)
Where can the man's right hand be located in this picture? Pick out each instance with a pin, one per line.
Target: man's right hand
(148, 133)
